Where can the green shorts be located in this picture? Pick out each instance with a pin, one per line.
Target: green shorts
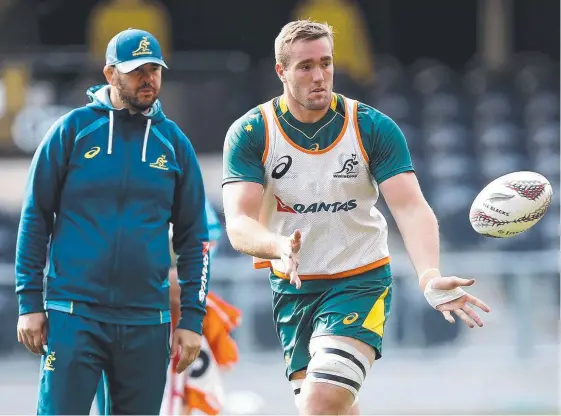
(355, 307)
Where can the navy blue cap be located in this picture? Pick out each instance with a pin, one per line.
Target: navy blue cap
(132, 48)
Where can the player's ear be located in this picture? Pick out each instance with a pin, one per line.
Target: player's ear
(280, 72)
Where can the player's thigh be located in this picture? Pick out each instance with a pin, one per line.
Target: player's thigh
(347, 338)
(358, 311)
(138, 370)
(293, 315)
(71, 367)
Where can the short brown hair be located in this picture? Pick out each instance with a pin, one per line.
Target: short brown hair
(299, 30)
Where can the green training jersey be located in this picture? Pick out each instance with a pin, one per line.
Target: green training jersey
(245, 148)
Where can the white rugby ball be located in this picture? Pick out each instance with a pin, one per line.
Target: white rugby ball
(510, 204)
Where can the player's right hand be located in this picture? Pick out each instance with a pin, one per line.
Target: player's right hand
(32, 331)
(291, 258)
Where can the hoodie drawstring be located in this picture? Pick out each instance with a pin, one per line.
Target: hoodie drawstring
(146, 139)
(110, 140)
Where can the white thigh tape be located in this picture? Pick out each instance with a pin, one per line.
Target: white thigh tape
(436, 297)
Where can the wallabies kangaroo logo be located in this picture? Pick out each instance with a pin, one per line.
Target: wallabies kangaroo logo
(143, 47)
(349, 169)
(49, 362)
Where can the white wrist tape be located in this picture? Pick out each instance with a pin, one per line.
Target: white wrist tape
(437, 297)
(435, 272)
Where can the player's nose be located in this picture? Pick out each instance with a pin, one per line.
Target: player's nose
(317, 75)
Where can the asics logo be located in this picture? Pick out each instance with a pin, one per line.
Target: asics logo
(350, 318)
(90, 154)
(283, 164)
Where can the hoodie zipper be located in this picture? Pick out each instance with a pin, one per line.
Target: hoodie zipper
(120, 208)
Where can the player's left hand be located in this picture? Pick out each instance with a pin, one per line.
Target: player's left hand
(188, 344)
(459, 306)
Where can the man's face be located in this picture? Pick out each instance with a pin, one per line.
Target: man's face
(140, 88)
(309, 73)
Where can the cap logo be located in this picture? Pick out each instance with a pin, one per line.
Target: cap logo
(143, 47)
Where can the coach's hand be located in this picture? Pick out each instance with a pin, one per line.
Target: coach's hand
(32, 331)
(459, 306)
(188, 344)
(291, 258)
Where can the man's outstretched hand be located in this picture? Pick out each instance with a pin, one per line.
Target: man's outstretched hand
(460, 306)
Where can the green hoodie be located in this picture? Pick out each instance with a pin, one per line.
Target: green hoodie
(103, 188)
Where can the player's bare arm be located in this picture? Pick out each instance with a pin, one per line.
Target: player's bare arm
(415, 220)
(242, 203)
(419, 229)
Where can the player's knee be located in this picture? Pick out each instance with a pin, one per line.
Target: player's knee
(324, 399)
(355, 411)
(337, 363)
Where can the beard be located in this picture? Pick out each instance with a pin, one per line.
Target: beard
(317, 104)
(132, 101)
(320, 104)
